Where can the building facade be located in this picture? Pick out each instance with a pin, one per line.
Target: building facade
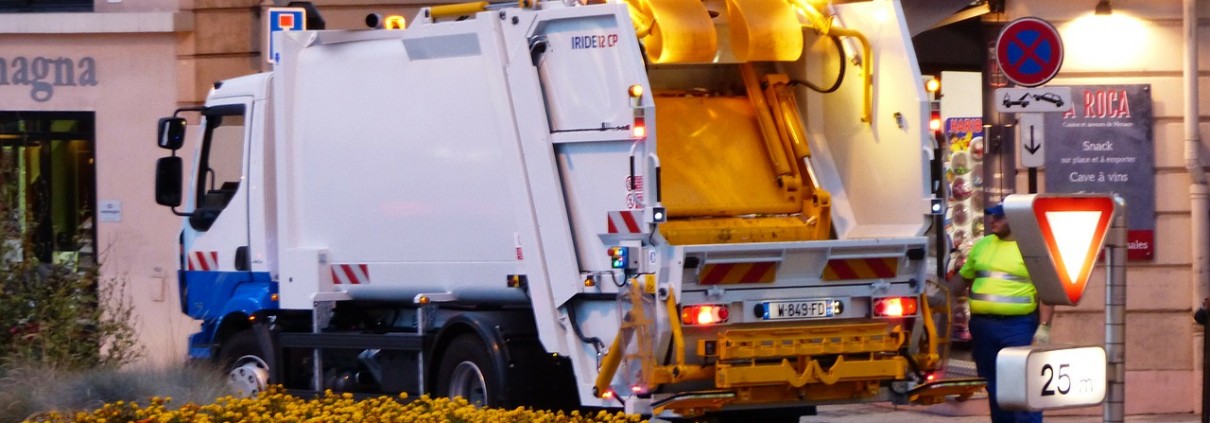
(1141, 43)
(79, 81)
(82, 83)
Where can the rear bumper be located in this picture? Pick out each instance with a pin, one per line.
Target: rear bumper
(790, 366)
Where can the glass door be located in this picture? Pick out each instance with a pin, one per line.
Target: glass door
(48, 186)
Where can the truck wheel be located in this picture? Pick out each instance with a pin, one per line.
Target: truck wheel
(242, 358)
(466, 371)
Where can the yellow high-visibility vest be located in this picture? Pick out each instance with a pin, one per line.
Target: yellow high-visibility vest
(1002, 285)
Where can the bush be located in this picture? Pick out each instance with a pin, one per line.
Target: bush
(57, 317)
(55, 313)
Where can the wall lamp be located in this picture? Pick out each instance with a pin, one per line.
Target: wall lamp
(1103, 8)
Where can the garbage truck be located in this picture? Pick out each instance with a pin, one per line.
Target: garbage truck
(668, 207)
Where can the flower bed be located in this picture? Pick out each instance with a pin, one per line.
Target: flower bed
(278, 407)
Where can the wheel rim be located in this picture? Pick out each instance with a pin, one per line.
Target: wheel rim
(467, 382)
(248, 376)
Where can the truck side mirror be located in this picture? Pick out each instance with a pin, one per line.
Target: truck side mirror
(168, 181)
(171, 133)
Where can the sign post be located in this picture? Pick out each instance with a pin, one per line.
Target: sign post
(1060, 237)
(1030, 104)
(1030, 53)
(1115, 313)
(1032, 145)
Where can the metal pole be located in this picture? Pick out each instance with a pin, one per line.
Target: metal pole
(943, 248)
(1115, 315)
(319, 314)
(421, 328)
(1033, 180)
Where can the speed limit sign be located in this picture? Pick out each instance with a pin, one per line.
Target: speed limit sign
(1043, 378)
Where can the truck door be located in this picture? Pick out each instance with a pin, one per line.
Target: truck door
(216, 236)
(586, 65)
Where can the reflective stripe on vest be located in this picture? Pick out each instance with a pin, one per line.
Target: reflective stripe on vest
(1001, 285)
(1002, 294)
(1002, 298)
(1001, 275)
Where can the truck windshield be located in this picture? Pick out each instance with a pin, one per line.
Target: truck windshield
(220, 166)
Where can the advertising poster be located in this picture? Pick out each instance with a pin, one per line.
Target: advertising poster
(965, 148)
(1105, 144)
(964, 173)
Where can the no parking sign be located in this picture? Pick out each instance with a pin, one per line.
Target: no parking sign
(1029, 51)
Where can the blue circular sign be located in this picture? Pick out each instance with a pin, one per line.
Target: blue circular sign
(1029, 51)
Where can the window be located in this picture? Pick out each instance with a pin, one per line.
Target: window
(220, 168)
(48, 185)
(45, 6)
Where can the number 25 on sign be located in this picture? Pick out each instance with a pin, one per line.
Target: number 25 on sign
(1044, 378)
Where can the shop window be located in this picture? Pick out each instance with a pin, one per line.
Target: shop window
(45, 6)
(48, 186)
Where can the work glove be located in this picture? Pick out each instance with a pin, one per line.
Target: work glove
(1042, 335)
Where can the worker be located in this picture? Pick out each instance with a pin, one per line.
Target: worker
(1005, 311)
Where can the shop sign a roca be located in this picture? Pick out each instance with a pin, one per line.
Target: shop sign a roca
(43, 74)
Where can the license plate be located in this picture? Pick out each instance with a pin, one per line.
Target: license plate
(801, 309)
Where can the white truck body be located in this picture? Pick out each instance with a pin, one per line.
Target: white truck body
(433, 166)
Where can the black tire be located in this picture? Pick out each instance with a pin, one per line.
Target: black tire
(244, 363)
(467, 371)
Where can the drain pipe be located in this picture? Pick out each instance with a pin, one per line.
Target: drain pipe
(1198, 192)
(1199, 195)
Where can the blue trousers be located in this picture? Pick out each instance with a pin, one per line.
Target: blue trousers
(989, 334)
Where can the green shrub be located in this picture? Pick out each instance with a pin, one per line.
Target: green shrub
(57, 317)
(55, 310)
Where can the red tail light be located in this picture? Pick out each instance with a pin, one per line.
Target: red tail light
(704, 314)
(894, 306)
(639, 130)
(933, 376)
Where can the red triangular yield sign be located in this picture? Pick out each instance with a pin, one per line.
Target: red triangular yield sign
(1074, 231)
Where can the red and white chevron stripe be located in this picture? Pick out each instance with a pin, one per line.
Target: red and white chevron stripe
(203, 260)
(625, 222)
(350, 274)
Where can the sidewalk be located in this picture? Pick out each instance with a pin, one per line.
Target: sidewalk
(973, 411)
